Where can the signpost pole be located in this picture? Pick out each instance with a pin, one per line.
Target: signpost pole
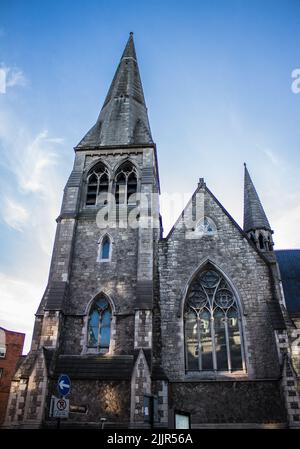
(58, 419)
(151, 411)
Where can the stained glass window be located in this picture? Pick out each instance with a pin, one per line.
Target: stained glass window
(105, 248)
(212, 325)
(99, 324)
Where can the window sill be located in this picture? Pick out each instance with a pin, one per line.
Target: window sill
(215, 375)
(198, 235)
(95, 351)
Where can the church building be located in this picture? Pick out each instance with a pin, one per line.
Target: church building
(198, 329)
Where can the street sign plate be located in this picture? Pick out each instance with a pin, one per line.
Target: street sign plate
(61, 408)
(64, 385)
(78, 408)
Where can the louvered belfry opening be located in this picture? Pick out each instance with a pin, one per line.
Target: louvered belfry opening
(97, 185)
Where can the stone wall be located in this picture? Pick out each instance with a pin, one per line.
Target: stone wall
(28, 393)
(229, 402)
(88, 276)
(108, 399)
(248, 273)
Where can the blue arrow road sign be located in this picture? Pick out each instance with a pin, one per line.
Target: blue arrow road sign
(64, 384)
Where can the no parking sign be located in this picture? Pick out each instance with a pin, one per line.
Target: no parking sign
(59, 407)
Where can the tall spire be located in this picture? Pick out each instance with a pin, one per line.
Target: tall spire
(123, 119)
(254, 214)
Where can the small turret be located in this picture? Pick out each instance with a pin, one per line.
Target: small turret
(256, 224)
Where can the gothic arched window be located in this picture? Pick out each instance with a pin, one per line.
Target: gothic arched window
(261, 241)
(269, 244)
(97, 185)
(99, 325)
(126, 184)
(252, 238)
(213, 331)
(105, 249)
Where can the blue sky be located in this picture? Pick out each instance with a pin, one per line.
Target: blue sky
(217, 81)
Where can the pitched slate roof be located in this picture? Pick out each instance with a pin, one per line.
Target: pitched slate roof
(25, 365)
(123, 119)
(275, 315)
(289, 265)
(254, 214)
(101, 367)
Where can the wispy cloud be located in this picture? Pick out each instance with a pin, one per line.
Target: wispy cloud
(33, 171)
(14, 214)
(31, 162)
(19, 299)
(271, 155)
(10, 77)
(15, 77)
(31, 189)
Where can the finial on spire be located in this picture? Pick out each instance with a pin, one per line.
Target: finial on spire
(201, 183)
(131, 33)
(245, 165)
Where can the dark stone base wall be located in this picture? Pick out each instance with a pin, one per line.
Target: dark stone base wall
(107, 399)
(229, 401)
(71, 335)
(124, 338)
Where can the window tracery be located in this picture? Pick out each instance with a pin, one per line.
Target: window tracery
(213, 331)
(126, 184)
(206, 226)
(97, 185)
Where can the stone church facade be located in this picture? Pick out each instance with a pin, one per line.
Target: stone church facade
(154, 329)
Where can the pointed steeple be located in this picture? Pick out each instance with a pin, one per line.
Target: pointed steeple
(254, 214)
(123, 119)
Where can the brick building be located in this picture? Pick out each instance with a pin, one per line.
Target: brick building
(193, 326)
(11, 347)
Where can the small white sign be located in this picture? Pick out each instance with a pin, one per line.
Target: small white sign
(60, 407)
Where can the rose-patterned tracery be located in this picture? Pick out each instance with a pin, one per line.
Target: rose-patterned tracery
(213, 331)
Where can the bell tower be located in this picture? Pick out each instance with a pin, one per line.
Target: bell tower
(95, 320)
